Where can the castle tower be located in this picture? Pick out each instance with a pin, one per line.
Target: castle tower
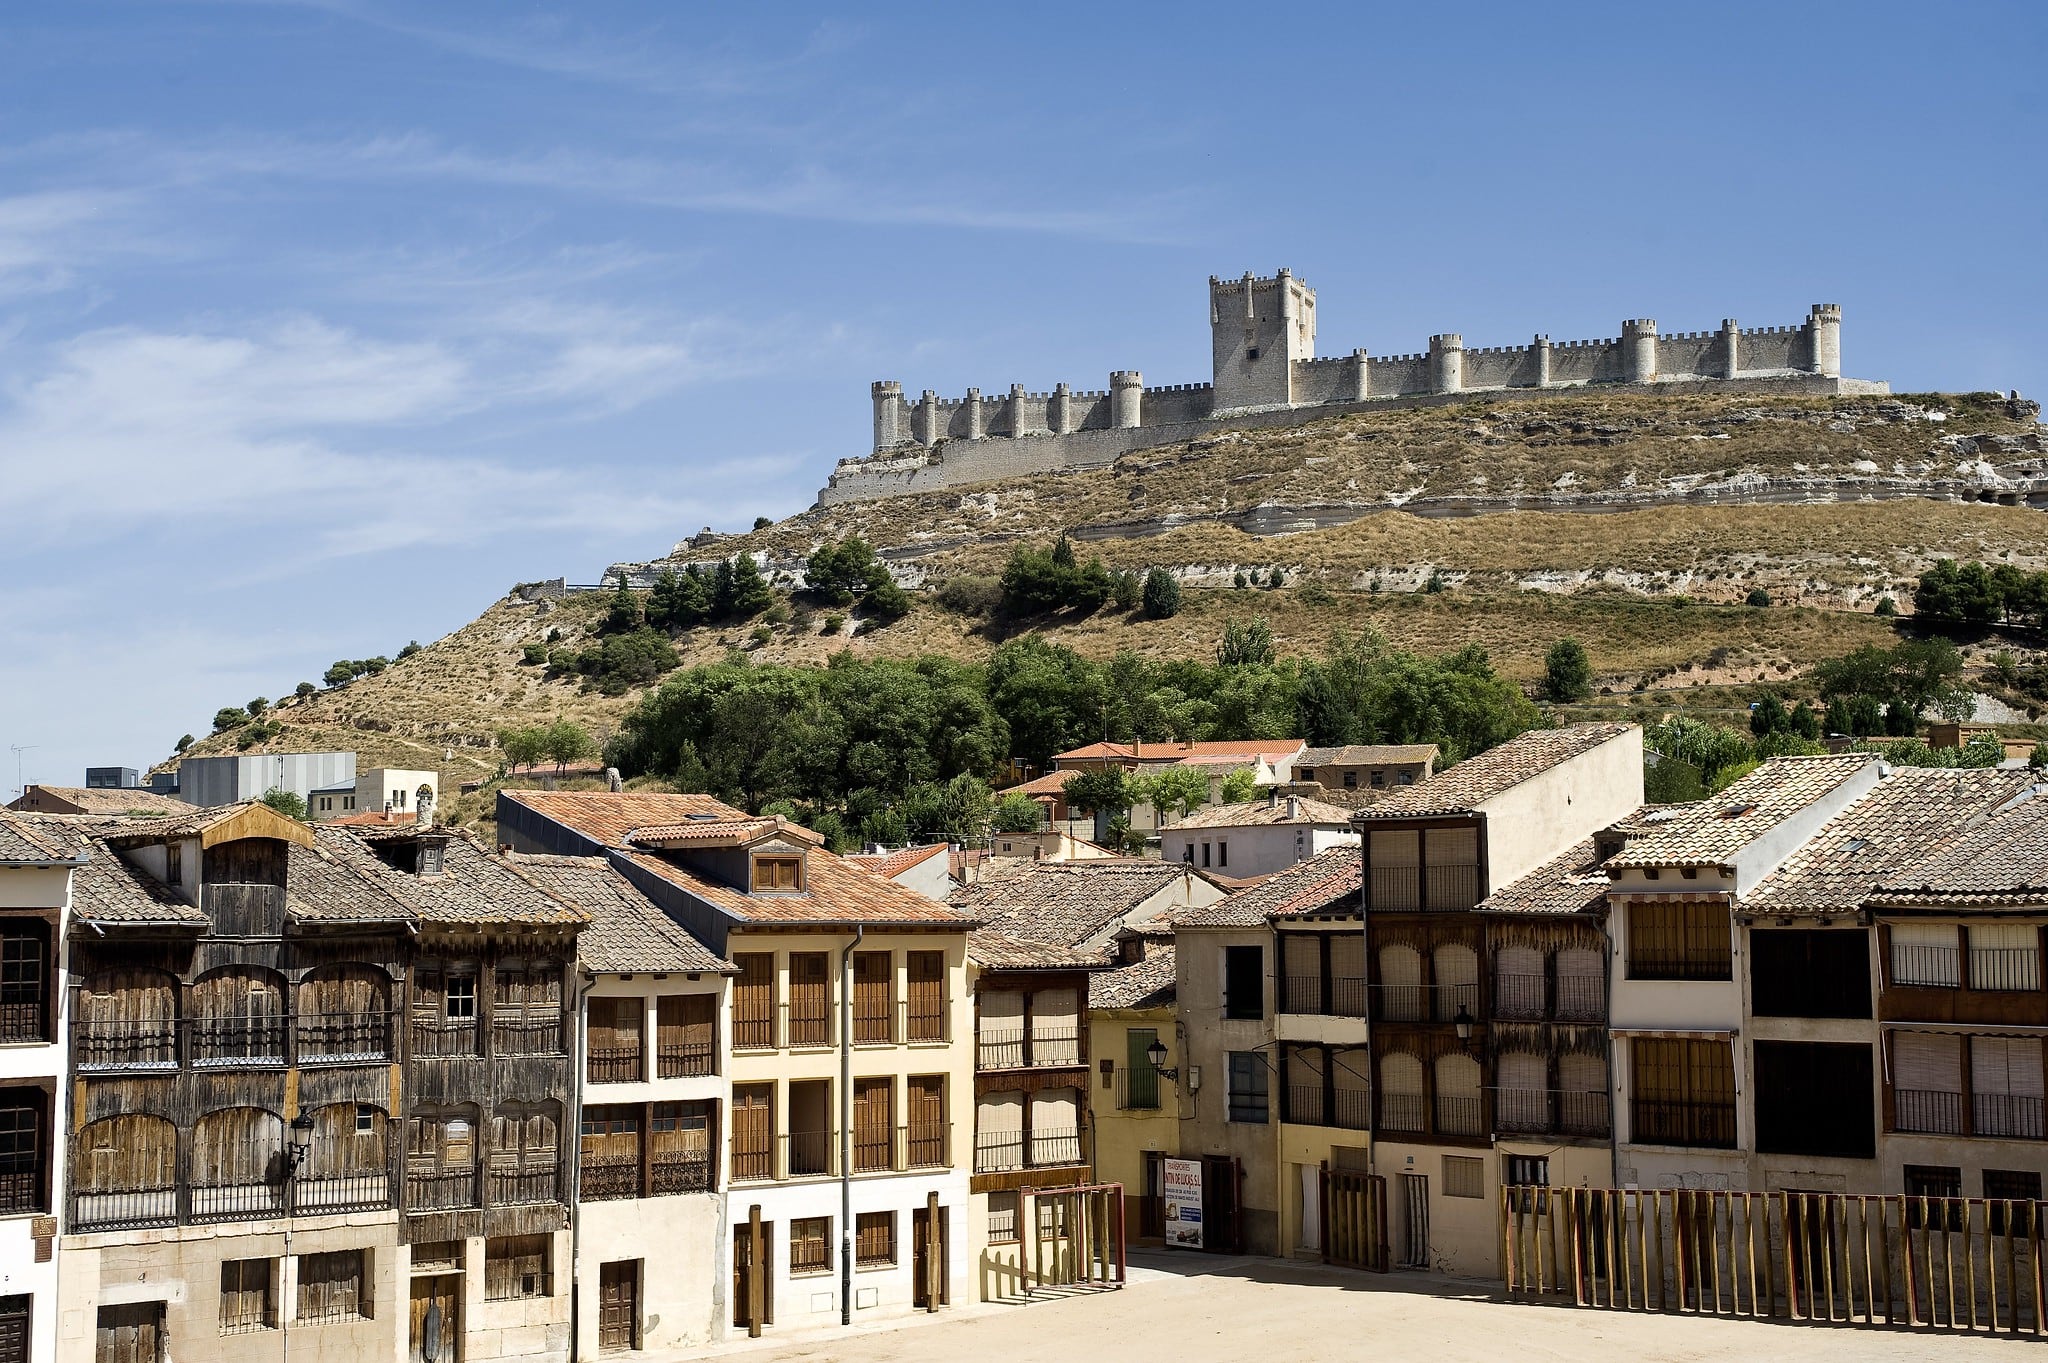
(1126, 397)
(1824, 337)
(888, 413)
(1731, 348)
(926, 419)
(1639, 350)
(973, 409)
(1062, 413)
(1258, 328)
(1446, 363)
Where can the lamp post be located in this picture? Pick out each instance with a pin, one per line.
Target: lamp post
(1156, 1053)
(1463, 1022)
(296, 1149)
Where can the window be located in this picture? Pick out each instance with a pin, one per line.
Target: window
(1464, 1176)
(1809, 973)
(2003, 956)
(1814, 1099)
(1244, 983)
(1222, 853)
(1187, 854)
(1401, 1099)
(753, 1131)
(366, 1120)
(516, 1266)
(1933, 1181)
(461, 996)
(686, 1029)
(441, 1256)
(1252, 354)
(679, 1146)
(1460, 1107)
(245, 1296)
(2002, 1186)
(431, 858)
(810, 999)
(778, 873)
(1925, 955)
(874, 988)
(1247, 1086)
(810, 1244)
(925, 1015)
(925, 1136)
(174, 863)
(2005, 1084)
(874, 1239)
(1683, 941)
(331, 1287)
(133, 1333)
(1683, 1092)
(1351, 780)
(1205, 854)
(753, 1001)
(21, 1151)
(1927, 1083)
(609, 1152)
(1002, 1218)
(1528, 1171)
(1141, 1080)
(24, 968)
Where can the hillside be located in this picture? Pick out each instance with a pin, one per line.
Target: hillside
(1635, 524)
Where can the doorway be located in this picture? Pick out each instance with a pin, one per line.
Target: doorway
(1415, 1200)
(618, 1306)
(1222, 1226)
(753, 1275)
(436, 1310)
(928, 1258)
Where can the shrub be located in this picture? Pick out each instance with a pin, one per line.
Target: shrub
(1887, 607)
(834, 623)
(1312, 592)
(762, 522)
(183, 743)
(1126, 589)
(1240, 581)
(761, 634)
(523, 747)
(257, 706)
(1276, 578)
(339, 673)
(1757, 597)
(373, 666)
(412, 647)
(304, 689)
(534, 655)
(886, 602)
(974, 596)
(1017, 814)
(286, 802)
(1245, 645)
(1436, 581)
(1162, 594)
(229, 717)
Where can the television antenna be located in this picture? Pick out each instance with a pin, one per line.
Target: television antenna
(18, 749)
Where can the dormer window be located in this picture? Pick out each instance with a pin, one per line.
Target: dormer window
(784, 873)
(430, 858)
(174, 863)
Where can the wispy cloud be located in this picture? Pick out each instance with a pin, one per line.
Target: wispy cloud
(46, 237)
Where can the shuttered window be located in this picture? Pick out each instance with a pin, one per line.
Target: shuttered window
(245, 1286)
(874, 988)
(753, 1001)
(874, 1239)
(1518, 983)
(1682, 1092)
(1400, 984)
(1682, 941)
(1401, 1100)
(1347, 974)
(1925, 954)
(516, 1266)
(1392, 859)
(615, 1040)
(132, 1333)
(1582, 1093)
(1451, 858)
(1464, 1176)
(2005, 1083)
(1523, 1102)
(686, 1035)
(810, 1244)
(1301, 972)
(810, 999)
(1581, 985)
(874, 1123)
(1460, 1110)
(1457, 982)
(1141, 1080)
(331, 1287)
(925, 1143)
(753, 1131)
(925, 1019)
(1927, 1082)
(2005, 957)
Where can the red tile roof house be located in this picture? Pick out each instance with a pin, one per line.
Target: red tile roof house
(1271, 760)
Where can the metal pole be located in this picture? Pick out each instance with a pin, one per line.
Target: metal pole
(846, 1125)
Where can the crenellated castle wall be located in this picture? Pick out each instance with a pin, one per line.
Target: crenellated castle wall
(1263, 333)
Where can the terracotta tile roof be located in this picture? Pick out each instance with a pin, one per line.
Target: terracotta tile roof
(1255, 813)
(321, 887)
(1052, 783)
(109, 890)
(1912, 812)
(1575, 880)
(889, 865)
(1477, 779)
(627, 932)
(1367, 755)
(108, 800)
(38, 838)
(993, 950)
(1143, 984)
(474, 886)
(835, 892)
(701, 831)
(1326, 880)
(2000, 863)
(1714, 830)
(1247, 749)
(609, 816)
(377, 818)
(1065, 902)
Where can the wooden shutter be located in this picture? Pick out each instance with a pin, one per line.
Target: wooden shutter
(926, 1019)
(1927, 1062)
(753, 1130)
(1141, 1080)
(753, 1000)
(874, 1121)
(1401, 1093)
(130, 1334)
(810, 999)
(686, 1035)
(874, 987)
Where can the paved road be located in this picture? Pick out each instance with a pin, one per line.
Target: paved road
(1195, 1308)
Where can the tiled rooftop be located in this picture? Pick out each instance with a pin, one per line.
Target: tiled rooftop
(836, 891)
(609, 816)
(628, 933)
(39, 837)
(1325, 880)
(1144, 984)
(720, 832)
(1245, 749)
(1256, 813)
(1065, 902)
(994, 950)
(113, 799)
(474, 887)
(1474, 781)
(1366, 755)
(889, 865)
(1714, 830)
(2001, 862)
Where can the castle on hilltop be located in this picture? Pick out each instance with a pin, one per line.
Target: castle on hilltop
(1266, 373)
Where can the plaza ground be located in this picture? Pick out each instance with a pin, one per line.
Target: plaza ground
(1193, 1308)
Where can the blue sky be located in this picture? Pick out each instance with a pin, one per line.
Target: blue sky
(322, 323)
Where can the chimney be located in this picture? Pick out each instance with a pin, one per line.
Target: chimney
(1293, 807)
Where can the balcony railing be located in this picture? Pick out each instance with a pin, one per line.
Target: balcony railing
(604, 1179)
(615, 1064)
(125, 1043)
(515, 1186)
(2006, 1114)
(1657, 1121)
(330, 1038)
(1002, 1151)
(124, 1209)
(753, 1031)
(442, 1191)
(435, 1037)
(998, 1152)
(342, 1192)
(1460, 1116)
(21, 1187)
(1438, 888)
(810, 1026)
(672, 1174)
(686, 1059)
(1347, 1109)
(871, 1021)
(752, 1163)
(924, 1021)
(1346, 996)
(1039, 1048)
(873, 1149)
(1576, 1112)
(22, 1021)
(1055, 1146)
(925, 1147)
(2005, 969)
(527, 1036)
(1518, 998)
(1403, 1112)
(237, 1201)
(1581, 998)
(239, 1040)
(1932, 1111)
(1926, 967)
(807, 1154)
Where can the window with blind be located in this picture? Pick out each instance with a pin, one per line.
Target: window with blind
(753, 1131)
(874, 1239)
(1814, 1099)
(874, 989)
(332, 1288)
(516, 1267)
(753, 1001)
(1682, 1092)
(245, 1295)
(1393, 869)
(1460, 1107)
(613, 1046)
(1464, 1176)
(2005, 1086)
(440, 1162)
(925, 1014)
(2005, 957)
(810, 998)
(925, 1145)
(874, 1124)
(1582, 1094)
(1450, 868)
(1522, 1102)
(1682, 941)
(1581, 985)
(1927, 1083)
(810, 1244)
(1401, 1097)
(1400, 992)
(1519, 988)
(525, 1161)
(1002, 1218)
(686, 1035)
(1457, 982)
(1926, 955)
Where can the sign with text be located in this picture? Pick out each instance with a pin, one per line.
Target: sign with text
(1181, 1189)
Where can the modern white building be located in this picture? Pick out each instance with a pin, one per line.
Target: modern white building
(1257, 837)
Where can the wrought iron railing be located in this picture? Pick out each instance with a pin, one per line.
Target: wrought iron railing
(124, 1208)
(924, 1020)
(752, 1162)
(1918, 967)
(1040, 1047)
(1570, 1112)
(239, 1040)
(615, 1064)
(355, 1191)
(1055, 1146)
(1403, 1112)
(238, 1201)
(1456, 1116)
(686, 1059)
(1933, 1111)
(1581, 998)
(873, 1149)
(925, 1146)
(998, 1151)
(22, 1020)
(2005, 969)
(602, 1179)
(1347, 1109)
(1345, 997)
(807, 1154)
(871, 1019)
(681, 1174)
(1518, 997)
(2006, 1114)
(1447, 889)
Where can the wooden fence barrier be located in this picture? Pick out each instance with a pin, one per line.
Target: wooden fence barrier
(1949, 1263)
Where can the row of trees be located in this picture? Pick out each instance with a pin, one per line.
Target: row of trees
(1983, 594)
(1039, 581)
(856, 738)
(562, 743)
(731, 590)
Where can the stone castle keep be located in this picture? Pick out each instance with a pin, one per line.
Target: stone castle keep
(1263, 339)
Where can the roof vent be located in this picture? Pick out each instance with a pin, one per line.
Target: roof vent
(700, 818)
(1738, 810)
(1855, 844)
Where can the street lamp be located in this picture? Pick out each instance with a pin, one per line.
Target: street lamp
(1156, 1053)
(1463, 1022)
(301, 1143)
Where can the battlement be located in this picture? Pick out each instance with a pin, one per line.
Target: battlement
(1263, 338)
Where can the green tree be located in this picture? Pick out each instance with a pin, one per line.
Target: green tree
(2037, 760)
(257, 706)
(229, 717)
(1769, 717)
(1098, 790)
(411, 647)
(1757, 597)
(1672, 782)
(1162, 594)
(751, 593)
(1567, 673)
(1033, 583)
(374, 666)
(1245, 644)
(1126, 590)
(304, 689)
(523, 746)
(286, 802)
(1180, 790)
(534, 655)
(1886, 607)
(336, 675)
(762, 522)
(623, 615)
(1017, 813)
(678, 601)
(838, 573)
(183, 743)
(567, 742)
(1240, 785)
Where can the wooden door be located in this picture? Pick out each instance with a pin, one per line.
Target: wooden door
(14, 1329)
(436, 1319)
(928, 1258)
(753, 1263)
(618, 1306)
(131, 1334)
(1222, 1228)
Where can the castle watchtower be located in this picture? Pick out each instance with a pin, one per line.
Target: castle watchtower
(1258, 329)
(1824, 327)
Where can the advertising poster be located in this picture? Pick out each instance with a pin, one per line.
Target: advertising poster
(1181, 1186)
